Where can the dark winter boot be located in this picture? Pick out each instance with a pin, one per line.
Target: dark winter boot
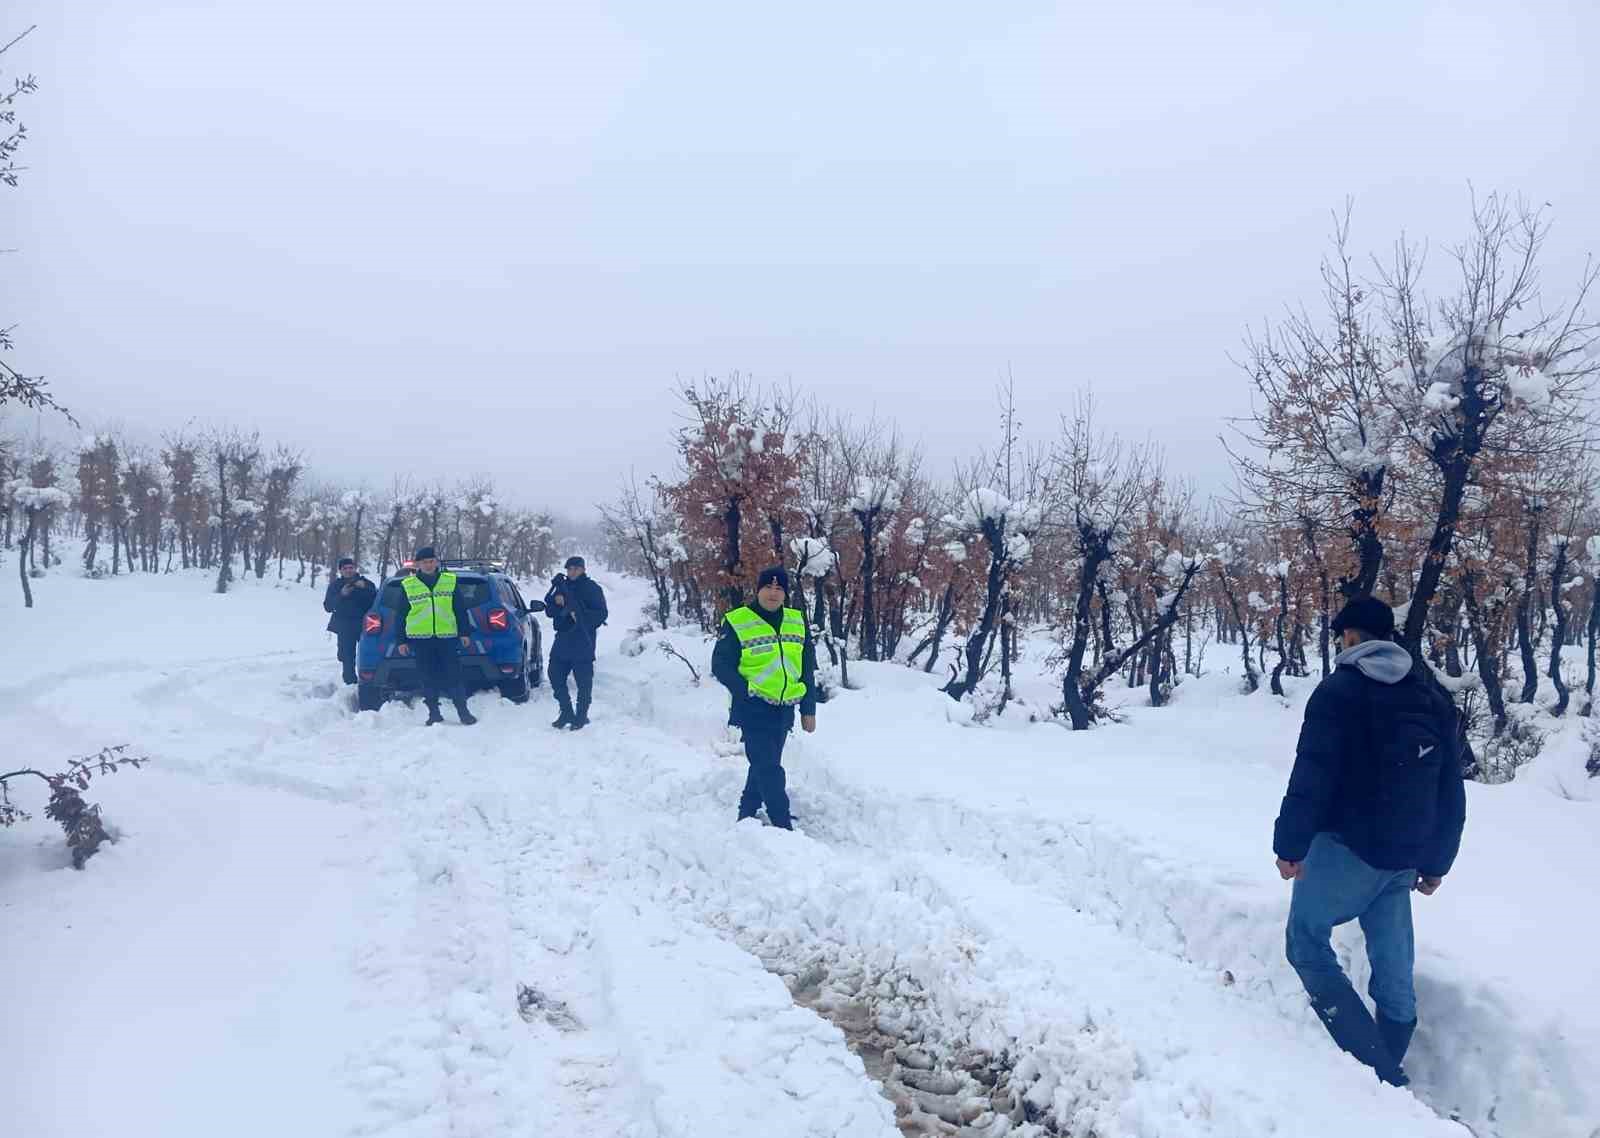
(581, 720)
(466, 717)
(1348, 1021)
(433, 715)
(565, 718)
(1397, 1038)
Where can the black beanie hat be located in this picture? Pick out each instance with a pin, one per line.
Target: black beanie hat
(343, 561)
(576, 562)
(776, 573)
(423, 553)
(1366, 614)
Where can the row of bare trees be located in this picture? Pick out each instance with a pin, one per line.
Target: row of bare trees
(224, 501)
(1421, 434)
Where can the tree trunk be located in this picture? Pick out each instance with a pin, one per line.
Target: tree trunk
(1367, 492)
(869, 610)
(1087, 687)
(1278, 623)
(22, 558)
(1251, 680)
(1559, 640)
(732, 589)
(1530, 588)
(1594, 634)
(225, 532)
(978, 642)
(1488, 672)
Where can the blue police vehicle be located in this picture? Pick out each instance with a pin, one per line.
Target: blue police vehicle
(504, 652)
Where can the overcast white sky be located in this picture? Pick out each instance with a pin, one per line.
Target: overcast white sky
(484, 237)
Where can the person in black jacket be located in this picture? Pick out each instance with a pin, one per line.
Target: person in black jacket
(347, 600)
(765, 724)
(1374, 810)
(576, 605)
(438, 657)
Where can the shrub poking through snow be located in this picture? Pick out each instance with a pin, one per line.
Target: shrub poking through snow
(80, 820)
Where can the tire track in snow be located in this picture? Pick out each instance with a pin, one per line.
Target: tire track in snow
(909, 941)
(1117, 883)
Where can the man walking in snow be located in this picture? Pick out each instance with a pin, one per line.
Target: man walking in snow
(431, 617)
(766, 659)
(1374, 810)
(576, 604)
(347, 600)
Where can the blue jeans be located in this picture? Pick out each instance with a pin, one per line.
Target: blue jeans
(1335, 887)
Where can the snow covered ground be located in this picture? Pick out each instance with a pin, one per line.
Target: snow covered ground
(325, 923)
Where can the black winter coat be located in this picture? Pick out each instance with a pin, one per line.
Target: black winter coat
(347, 610)
(1378, 764)
(758, 714)
(577, 622)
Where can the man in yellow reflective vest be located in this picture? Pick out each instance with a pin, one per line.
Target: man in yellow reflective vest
(766, 659)
(432, 619)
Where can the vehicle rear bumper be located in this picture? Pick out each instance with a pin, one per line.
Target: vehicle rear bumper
(397, 673)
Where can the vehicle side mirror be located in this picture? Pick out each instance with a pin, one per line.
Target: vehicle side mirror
(535, 606)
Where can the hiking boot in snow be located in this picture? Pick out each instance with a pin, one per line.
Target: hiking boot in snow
(466, 717)
(1352, 1028)
(1397, 1038)
(580, 722)
(433, 716)
(564, 719)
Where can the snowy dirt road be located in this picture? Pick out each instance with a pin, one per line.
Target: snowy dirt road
(329, 923)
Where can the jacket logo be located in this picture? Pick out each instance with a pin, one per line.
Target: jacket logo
(1422, 753)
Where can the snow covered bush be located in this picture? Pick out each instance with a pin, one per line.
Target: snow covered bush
(80, 820)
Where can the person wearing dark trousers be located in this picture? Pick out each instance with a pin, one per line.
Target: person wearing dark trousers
(431, 619)
(1374, 812)
(576, 605)
(767, 660)
(347, 600)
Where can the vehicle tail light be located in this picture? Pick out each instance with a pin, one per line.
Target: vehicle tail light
(508, 669)
(499, 620)
(367, 675)
(372, 623)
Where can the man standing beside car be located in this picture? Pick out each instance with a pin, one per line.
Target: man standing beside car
(347, 600)
(576, 604)
(431, 617)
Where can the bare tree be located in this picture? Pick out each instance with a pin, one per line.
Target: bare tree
(1500, 365)
(638, 526)
(1318, 445)
(232, 456)
(27, 391)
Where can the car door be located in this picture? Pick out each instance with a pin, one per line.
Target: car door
(524, 617)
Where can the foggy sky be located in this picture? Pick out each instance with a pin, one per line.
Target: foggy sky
(484, 238)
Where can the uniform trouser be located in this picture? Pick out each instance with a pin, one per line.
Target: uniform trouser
(763, 747)
(1337, 887)
(348, 639)
(580, 670)
(439, 670)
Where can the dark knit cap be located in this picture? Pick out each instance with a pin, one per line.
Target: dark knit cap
(776, 573)
(576, 562)
(424, 553)
(1368, 615)
(350, 561)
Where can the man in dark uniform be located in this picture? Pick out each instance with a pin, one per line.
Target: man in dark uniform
(767, 660)
(576, 604)
(431, 616)
(347, 600)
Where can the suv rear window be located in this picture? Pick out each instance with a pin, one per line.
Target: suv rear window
(474, 592)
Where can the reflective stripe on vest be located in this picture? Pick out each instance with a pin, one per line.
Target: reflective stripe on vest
(432, 611)
(771, 662)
